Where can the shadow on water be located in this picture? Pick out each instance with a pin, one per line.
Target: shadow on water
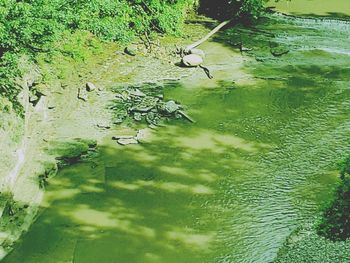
(229, 188)
(233, 183)
(141, 204)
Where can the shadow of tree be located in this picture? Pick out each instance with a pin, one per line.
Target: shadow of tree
(159, 201)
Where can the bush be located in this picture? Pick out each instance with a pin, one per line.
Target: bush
(335, 223)
(228, 9)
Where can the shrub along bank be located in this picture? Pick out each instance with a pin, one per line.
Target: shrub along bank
(32, 27)
(335, 223)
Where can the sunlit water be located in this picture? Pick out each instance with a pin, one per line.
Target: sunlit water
(334, 8)
(258, 162)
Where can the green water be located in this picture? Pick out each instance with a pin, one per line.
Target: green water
(258, 162)
(334, 8)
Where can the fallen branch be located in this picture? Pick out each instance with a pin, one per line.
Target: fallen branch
(183, 114)
(201, 41)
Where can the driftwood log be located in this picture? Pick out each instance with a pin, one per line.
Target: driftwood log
(209, 35)
(191, 59)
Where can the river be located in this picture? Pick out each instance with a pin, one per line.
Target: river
(258, 162)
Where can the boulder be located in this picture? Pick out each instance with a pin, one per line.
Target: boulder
(124, 137)
(192, 60)
(171, 107)
(127, 141)
(198, 52)
(131, 51)
(90, 87)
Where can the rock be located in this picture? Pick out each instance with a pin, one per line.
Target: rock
(279, 51)
(136, 93)
(145, 105)
(150, 117)
(245, 49)
(168, 107)
(82, 95)
(130, 51)
(192, 60)
(90, 87)
(103, 125)
(118, 120)
(118, 137)
(171, 107)
(198, 52)
(143, 134)
(137, 116)
(127, 141)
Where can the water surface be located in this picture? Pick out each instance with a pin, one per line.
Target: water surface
(334, 8)
(258, 162)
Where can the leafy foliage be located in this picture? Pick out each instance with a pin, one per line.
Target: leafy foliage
(32, 26)
(335, 223)
(228, 9)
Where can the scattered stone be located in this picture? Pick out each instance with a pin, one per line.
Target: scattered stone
(138, 105)
(244, 49)
(142, 134)
(192, 60)
(130, 51)
(136, 93)
(90, 87)
(145, 105)
(82, 95)
(103, 126)
(171, 106)
(137, 116)
(118, 137)
(127, 141)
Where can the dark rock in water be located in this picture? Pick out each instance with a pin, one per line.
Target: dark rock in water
(279, 51)
(90, 87)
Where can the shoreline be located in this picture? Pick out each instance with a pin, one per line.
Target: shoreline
(60, 116)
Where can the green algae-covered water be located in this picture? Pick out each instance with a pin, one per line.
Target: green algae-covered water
(258, 162)
(334, 8)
